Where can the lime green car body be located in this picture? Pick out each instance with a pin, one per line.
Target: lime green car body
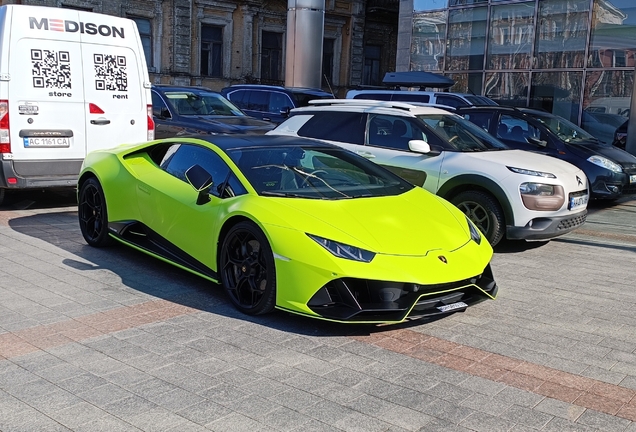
(424, 251)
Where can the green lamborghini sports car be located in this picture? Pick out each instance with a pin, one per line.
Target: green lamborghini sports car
(288, 223)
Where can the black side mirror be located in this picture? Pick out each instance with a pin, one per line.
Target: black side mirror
(537, 141)
(285, 111)
(201, 181)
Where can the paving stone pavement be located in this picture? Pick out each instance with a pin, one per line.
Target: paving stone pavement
(113, 340)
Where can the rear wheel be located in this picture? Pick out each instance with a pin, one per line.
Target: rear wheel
(2, 195)
(484, 211)
(93, 216)
(247, 269)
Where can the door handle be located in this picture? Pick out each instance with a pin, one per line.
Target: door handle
(366, 154)
(100, 122)
(267, 119)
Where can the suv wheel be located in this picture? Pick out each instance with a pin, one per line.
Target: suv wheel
(484, 211)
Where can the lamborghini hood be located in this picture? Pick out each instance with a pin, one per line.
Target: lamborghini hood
(413, 223)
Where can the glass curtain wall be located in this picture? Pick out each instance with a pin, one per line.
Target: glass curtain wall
(574, 58)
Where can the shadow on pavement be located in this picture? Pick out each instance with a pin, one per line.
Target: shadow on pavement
(146, 274)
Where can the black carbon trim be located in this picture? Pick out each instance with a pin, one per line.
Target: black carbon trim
(139, 235)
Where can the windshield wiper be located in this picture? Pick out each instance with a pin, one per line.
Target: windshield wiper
(287, 195)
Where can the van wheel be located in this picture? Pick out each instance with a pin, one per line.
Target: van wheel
(93, 216)
(484, 211)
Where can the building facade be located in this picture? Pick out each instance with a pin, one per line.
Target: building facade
(215, 43)
(575, 58)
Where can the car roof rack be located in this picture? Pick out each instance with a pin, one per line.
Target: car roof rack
(364, 102)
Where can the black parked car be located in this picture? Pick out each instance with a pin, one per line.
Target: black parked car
(186, 110)
(271, 103)
(610, 170)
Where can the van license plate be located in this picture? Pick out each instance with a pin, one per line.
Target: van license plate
(452, 306)
(47, 142)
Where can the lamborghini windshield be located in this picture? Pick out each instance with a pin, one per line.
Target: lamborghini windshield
(315, 172)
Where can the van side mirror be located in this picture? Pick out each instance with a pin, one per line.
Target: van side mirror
(201, 181)
(537, 141)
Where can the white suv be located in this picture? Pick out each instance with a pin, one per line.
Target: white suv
(515, 193)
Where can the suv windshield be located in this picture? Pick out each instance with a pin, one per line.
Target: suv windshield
(462, 135)
(315, 172)
(202, 104)
(564, 129)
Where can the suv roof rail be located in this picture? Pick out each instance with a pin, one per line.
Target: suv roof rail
(364, 102)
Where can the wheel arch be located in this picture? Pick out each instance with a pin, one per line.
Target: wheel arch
(469, 182)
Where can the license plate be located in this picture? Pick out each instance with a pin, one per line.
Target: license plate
(632, 178)
(452, 306)
(577, 202)
(47, 142)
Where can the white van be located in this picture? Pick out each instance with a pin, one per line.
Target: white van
(70, 82)
(454, 100)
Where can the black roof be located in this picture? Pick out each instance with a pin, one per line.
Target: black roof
(231, 142)
(524, 110)
(417, 78)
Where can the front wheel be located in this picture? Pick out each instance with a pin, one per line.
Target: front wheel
(484, 211)
(93, 216)
(247, 269)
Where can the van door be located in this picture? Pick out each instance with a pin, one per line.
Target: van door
(116, 105)
(46, 103)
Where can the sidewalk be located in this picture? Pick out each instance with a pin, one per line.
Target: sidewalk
(113, 340)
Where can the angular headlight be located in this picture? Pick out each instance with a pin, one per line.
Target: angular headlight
(605, 163)
(531, 172)
(536, 189)
(475, 234)
(342, 250)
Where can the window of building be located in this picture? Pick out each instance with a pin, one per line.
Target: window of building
(144, 26)
(327, 61)
(467, 39)
(271, 57)
(371, 71)
(613, 28)
(211, 50)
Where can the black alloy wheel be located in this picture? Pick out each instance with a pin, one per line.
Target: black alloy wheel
(93, 217)
(247, 269)
(484, 212)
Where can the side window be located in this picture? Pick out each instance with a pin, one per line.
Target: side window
(346, 127)
(452, 101)
(239, 98)
(278, 101)
(481, 119)
(411, 97)
(394, 132)
(516, 129)
(159, 107)
(258, 101)
(180, 157)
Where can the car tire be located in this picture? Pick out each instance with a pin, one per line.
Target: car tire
(92, 213)
(484, 211)
(248, 272)
(2, 195)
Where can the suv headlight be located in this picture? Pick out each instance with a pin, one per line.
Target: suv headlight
(531, 172)
(605, 163)
(342, 250)
(542, 197)
(475, 234)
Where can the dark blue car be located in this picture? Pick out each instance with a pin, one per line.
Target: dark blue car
(611, 171)
(179, 111)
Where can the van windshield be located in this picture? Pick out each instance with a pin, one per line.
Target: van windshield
(460, 133)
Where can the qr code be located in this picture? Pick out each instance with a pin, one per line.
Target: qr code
(110, 72)
(51, 69)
